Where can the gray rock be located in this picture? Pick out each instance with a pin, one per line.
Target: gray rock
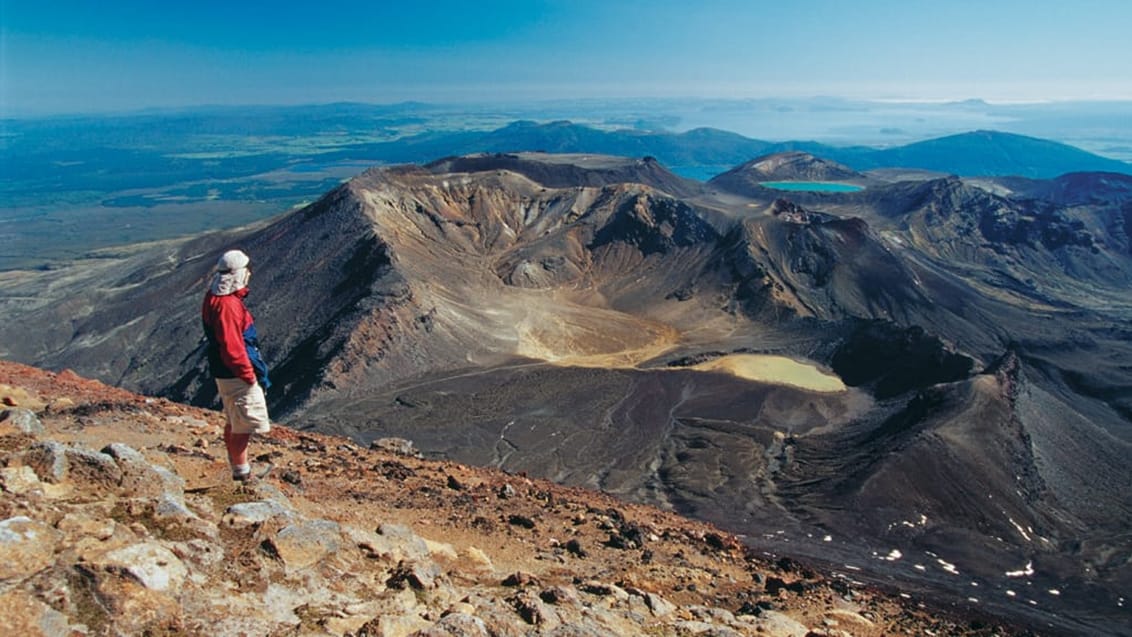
(54, 462)
(198, 552)
(710, 614)
(306, 543)
(781, 625)
(93, 468)
(170, 507)
(559, 596)
(575, 630)
(48, 460)
(25, 615)
(269, 492)
(417, 575)
(18, 479)
(150, 563)
(124, 454)
(455, 625)
(534, 611)
(143, 477)
(27, 547)
(659, 606)
(245, 514)
(707, 629)
(602, 589)
(394, 623)
(397, 446)
(24, 420)
(396, 543)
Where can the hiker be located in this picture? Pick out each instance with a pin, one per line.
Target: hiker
(234, 359)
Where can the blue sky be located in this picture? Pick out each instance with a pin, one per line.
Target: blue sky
(72, 56)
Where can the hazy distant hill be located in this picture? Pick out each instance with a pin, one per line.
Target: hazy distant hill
(75, 184)
(699, 147)
(979, 153)
(982, 153)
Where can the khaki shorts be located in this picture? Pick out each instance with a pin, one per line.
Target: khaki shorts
(244, 405)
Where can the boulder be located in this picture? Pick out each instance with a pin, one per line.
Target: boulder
(306, 543)
(455, 625)
(25, 615)
(245, 514)
(149, 563)
(141, 477)
(54, 462)
(22, 420)
(18, 480)
(781, 625)
(28, 546)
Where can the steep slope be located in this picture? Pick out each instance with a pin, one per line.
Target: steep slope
(821, 266)
(1101, 201)
(1015, 237)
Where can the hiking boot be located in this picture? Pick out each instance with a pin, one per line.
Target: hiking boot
(254, 476)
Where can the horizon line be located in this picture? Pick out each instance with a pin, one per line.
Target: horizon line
(25, 113)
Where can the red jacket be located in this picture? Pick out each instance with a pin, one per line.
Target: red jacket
(233, 349)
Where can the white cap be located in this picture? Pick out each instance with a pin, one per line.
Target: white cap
(232, 260)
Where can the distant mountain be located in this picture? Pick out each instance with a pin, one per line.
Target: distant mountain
(979, 153)
(982, 153)
(975, 154)
(702, 146)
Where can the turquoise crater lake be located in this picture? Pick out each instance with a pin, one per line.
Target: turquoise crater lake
(811, 186)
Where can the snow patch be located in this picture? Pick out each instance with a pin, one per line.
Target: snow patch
(923, 521)
(1025, 572)
(1021, 531)
(948, 566)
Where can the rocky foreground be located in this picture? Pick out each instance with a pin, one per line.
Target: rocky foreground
(117, 517)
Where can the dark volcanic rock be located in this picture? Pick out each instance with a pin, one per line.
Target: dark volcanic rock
(894, 360)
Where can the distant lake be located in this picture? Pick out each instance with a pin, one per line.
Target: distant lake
(812, 186)
(700, 172)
